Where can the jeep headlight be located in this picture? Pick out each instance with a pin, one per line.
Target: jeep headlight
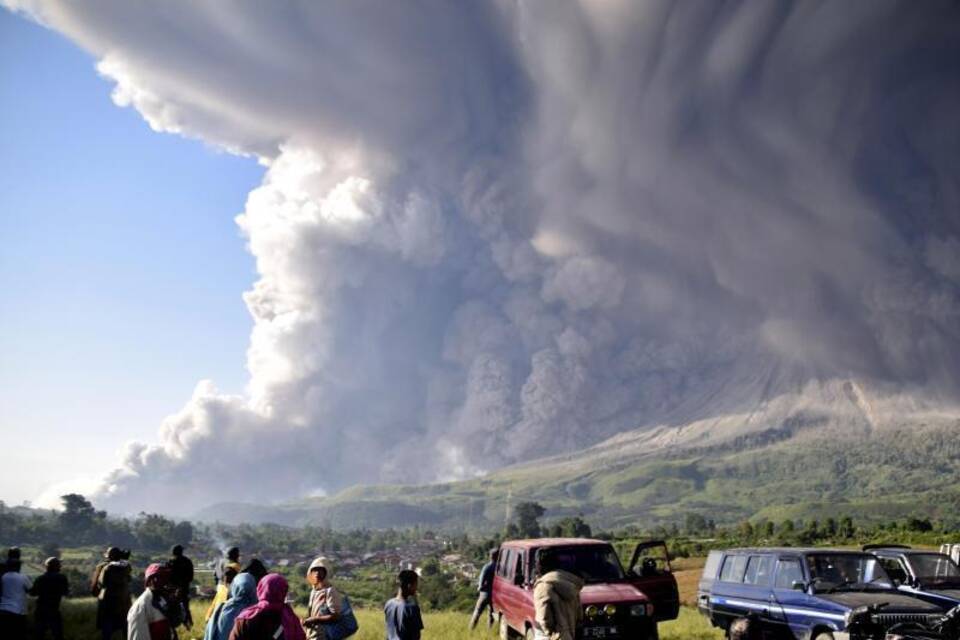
(592, 611)
(638, 610)
(610, 609)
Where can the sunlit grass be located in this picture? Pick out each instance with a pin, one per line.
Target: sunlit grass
(79, 616)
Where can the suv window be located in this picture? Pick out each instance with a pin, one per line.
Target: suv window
(518, 572)
(712, 565)
(733, 567)
(788, 572)
(505, 566)
(894, 569)
(759, 570)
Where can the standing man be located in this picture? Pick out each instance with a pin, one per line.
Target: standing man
(13, 555)
(13, 603)
(181, 577)
(111, 586)
(556, 598)
(402, 614)
(220, 570)
(150, 616)
(485, 589)
(49, 589)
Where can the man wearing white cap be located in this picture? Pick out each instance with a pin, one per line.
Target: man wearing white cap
(326, 603)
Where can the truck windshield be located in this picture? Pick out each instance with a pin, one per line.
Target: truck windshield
(935, 569)
(594, 563)
(846, 572)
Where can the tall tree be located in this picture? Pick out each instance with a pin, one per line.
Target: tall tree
(79, 519)
(527, 516)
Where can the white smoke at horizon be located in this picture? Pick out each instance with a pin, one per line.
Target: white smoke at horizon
(495, 231)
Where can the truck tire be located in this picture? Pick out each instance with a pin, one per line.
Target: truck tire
(824, 635)
(743, 629)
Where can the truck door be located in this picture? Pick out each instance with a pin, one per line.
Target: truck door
(650, 572)
(511, 595)
(758, 589)
(789, 606)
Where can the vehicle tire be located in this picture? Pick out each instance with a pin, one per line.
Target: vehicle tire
(654, 632)
(506, 633)
(741, 629)
(823, 635)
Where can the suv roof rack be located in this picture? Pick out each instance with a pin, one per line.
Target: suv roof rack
(871, 547)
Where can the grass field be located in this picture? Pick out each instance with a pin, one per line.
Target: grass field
(446, 625)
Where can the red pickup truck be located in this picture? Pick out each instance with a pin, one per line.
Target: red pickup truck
(618, 604)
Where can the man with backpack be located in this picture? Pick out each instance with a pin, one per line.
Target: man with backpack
(331, 616)
(110, 585)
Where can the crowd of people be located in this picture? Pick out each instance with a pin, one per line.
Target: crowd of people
(250, 603)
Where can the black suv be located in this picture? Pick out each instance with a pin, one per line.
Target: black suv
(925, 574)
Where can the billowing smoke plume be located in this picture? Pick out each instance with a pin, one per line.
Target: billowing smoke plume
(491, 231)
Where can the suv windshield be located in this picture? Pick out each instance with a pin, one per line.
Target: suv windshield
(934, 568)
(593, 563)
(846, 571)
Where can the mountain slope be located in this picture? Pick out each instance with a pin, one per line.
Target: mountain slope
(832, 448)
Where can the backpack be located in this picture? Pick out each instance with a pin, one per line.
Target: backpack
(95, 587)
(345, 627)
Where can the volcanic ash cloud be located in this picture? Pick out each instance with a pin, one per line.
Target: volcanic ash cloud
(494, 231)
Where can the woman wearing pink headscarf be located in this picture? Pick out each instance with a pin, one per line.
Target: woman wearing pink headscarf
(271, 618)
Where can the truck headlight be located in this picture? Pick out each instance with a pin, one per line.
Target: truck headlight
(610, 609)
(638, 610)
(592, 611)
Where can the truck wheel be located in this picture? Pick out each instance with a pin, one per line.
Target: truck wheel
(740, 629)
(654, 632)
(824, 635)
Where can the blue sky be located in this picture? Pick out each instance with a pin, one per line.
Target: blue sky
(121, 266)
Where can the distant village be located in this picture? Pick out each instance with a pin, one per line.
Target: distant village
(370, 565)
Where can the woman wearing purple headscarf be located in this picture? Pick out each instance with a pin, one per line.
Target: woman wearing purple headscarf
(271, 618)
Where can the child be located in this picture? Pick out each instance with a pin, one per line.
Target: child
(403, 613)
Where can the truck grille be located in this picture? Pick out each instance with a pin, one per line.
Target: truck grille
(889, 619)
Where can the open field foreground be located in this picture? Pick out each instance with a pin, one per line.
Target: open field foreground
(446, 625)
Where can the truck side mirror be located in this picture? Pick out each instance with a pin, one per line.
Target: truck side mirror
(799, 585)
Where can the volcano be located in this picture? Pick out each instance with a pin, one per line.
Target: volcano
(780, 448)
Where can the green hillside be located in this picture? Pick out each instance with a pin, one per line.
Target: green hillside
(891, 474)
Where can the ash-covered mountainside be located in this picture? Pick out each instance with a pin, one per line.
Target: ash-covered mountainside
(824, 449)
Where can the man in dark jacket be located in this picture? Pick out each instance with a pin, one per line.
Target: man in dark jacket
(111, 586)
(485, 590)
(49, 589)
(181, 578)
